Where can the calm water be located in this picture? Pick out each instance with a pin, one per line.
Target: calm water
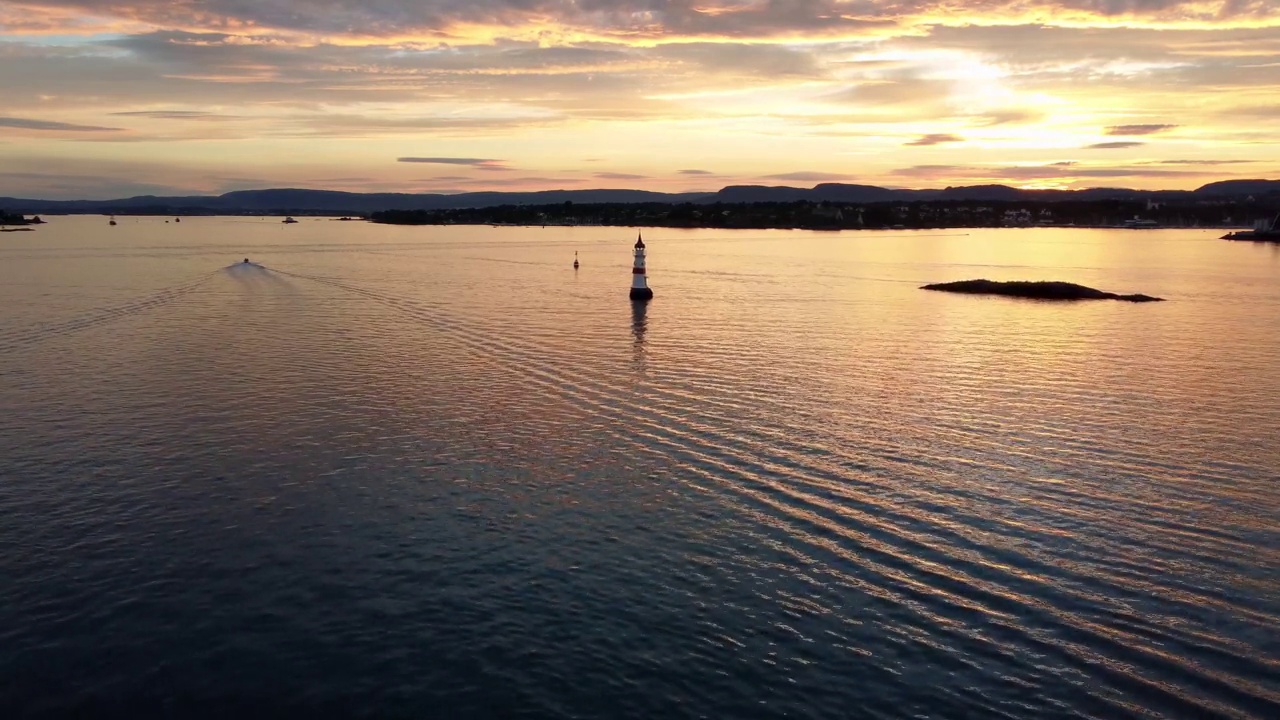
(435, 472)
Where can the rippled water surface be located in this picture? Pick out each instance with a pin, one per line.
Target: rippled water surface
(435, 472)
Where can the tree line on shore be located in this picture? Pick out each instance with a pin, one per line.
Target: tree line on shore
(824, 215)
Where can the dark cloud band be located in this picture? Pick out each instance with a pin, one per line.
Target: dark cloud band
(29, 124)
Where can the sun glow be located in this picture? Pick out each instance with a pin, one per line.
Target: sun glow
(1041, 94)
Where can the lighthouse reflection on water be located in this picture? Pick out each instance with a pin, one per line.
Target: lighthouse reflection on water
(639, 323)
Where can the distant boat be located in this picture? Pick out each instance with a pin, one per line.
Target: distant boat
(177, 219)
(288, 221)
(1140, 224)
(112, 221)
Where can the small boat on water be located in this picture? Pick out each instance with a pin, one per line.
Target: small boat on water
(288, 221)
(1137, 223)
(112, 221)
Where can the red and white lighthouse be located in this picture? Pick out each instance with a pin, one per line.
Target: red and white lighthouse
(639, 282)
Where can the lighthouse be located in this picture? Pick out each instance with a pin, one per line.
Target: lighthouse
(639, 283)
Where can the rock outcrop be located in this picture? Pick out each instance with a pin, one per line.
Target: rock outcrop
(1040, 290)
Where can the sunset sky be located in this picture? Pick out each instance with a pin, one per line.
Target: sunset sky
(109, 98)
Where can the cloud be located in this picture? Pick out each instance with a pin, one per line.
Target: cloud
(27, 124)
(322, 124)
(619, 176)
(808, 175)
(446, 160)
(1063, 171)
(477, 163)
(1265, 112)
(531, 183)
(1201, 162)
(443, 20)
(1138, 129)
(935, 139)
(743, 59)
(798, 82)
(440, 19)
(488, 84)
(1008, 116)
(174, 115)
(1119, 145)
(901, 89)
(696, 172)
(931, 171)
(1034, 47)
(1053, 172)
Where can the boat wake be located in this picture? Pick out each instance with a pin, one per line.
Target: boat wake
(21, 338)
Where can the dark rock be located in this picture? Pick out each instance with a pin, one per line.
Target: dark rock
(1265, 232)
(641, 294)
(1256, 235)
(18, 219)
(1040, 290)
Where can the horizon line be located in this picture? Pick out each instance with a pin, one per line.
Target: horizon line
(179, 193)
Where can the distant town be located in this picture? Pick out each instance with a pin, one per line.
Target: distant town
(827, 206)
(826, 215)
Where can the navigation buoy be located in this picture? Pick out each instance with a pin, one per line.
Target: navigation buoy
(639, 282)
(575, 259)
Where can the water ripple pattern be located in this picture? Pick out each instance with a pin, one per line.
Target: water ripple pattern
(397, 471)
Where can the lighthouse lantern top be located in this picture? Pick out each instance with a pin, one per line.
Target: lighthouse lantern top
(639, 242)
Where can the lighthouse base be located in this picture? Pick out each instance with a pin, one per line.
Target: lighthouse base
(641, 294)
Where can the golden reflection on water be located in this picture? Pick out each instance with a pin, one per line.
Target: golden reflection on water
(639, 323)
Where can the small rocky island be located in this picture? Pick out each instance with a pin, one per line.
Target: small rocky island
(1262, 231)
(18, 219)
(1040, 290)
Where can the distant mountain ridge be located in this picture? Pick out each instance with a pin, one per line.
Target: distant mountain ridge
(302, 201)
